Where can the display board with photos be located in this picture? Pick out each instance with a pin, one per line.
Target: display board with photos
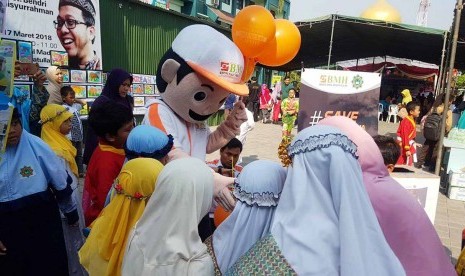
(144, 88)
(87, 84)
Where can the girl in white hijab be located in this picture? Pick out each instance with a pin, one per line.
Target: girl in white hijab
(165, 241)
(55, 82)
(257, 189)
(324, 223)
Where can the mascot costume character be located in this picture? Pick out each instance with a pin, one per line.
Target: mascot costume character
(194, 77)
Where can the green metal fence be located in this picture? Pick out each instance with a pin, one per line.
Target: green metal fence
(136, 35)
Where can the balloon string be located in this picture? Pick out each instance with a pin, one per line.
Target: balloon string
(232, 167)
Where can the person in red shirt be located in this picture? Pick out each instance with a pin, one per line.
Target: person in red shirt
(406, 134)
(112, 123)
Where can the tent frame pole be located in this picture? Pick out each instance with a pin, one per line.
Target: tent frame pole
(458, 12)
(441, 69)
(331, 42)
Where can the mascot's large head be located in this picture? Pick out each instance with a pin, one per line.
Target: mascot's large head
(199, 71)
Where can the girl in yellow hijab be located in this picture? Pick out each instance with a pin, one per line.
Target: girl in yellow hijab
(406, 96)
(56, 123)
(103, 252)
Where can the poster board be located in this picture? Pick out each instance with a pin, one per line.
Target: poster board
(34, 21)
(7, 63)
(423, 186)
(326, 93)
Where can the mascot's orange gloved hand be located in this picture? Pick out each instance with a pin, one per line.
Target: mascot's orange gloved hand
(236, 118)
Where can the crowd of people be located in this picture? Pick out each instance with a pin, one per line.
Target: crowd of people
(426, 111)
(278, 104)
(334, 210)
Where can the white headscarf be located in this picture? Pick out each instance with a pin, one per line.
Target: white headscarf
(53, 87)
(258, 189)
(165, 241)
(325, 223)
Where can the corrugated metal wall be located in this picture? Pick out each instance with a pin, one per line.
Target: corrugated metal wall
(135, 35)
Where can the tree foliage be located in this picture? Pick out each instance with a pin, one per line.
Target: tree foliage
(460, 83)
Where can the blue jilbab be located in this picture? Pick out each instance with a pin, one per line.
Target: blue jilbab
(324, 223)
(27, 169)
(29, 215)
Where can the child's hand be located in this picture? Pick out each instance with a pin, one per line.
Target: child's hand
(418, 145)
(39, 78)
(408, 153)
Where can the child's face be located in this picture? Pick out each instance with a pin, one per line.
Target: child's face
(229, 157)
(65, 127)
(291, 93)
(416, 112)
(121, 136)
(69, 99)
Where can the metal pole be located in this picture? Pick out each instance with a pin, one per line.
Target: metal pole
(331, 41)
(446, 63)
(441, 69)
(455, 37)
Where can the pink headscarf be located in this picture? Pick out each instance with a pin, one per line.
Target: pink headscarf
(276, 91)
(405, 224)
(265, 96)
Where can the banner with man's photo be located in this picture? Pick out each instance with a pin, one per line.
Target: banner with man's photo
(327, 93)
(62, 32)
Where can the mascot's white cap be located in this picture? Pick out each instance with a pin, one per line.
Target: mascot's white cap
(212, 55)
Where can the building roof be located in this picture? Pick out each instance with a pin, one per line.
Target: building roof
(360, 38)
(221, 16)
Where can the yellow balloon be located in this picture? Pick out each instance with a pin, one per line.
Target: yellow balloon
(284, 47)
(252, 29)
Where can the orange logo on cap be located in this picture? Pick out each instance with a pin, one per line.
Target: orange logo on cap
(231, 69)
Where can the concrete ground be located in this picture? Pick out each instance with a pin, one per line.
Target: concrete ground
(262, 143)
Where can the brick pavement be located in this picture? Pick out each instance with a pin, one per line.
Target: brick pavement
(262, 143)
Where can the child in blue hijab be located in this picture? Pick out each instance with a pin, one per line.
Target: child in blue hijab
(147, 142)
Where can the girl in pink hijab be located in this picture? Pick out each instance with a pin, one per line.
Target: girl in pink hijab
(405, 224)
(265, 104)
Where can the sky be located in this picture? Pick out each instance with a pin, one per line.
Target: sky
(440, 13)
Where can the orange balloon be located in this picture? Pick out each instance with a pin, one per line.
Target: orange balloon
(220, 215)
(252, 29)
(284, 47)
(249, 68)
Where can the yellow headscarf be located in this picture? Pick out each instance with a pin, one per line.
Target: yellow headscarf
(52, 116)
(406, 96)
(103, 252)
